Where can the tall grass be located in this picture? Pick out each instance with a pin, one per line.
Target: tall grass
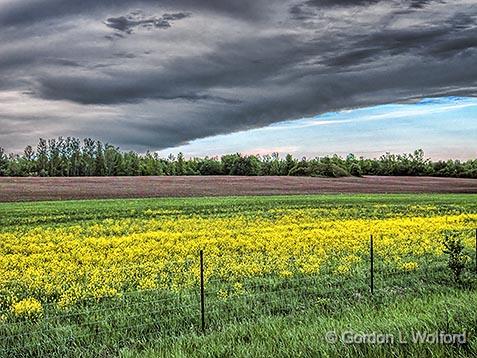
(266, 316)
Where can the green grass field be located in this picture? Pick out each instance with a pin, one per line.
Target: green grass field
(121, 277)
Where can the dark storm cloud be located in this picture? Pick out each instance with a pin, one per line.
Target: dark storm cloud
(414, 4)
(175, 16)
(235, 64)
(309, 9)
(222, 66)
(353, 57)
(30, 11)
(456, 46)
(419, 4)
(137, 19)
(339, 3)
(299, 12)
(306, 9)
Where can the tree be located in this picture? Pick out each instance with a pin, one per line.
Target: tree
(28, 161)
(74, 156)
(229, 162)
(180, 166)
(3, 162)
(113, 160)
(355, 170)
(290, 162)
(88, 157)
(42, 158)
(14, 167)
(131, 164)
(99, 165)
(249, 166)
(71, 157)
(54, 163)
(210, 167)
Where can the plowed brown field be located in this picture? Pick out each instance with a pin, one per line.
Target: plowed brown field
(30, 189)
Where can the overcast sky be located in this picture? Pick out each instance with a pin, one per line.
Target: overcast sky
(151, 75)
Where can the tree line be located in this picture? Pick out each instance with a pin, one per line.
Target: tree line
(72, 157)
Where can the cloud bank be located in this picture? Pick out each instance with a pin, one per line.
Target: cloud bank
(158, 74)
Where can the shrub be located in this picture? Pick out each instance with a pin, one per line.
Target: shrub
(454, 247)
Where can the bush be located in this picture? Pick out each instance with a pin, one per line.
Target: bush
(454, 247)
(355, 170)
(327, 170)
(318, 169)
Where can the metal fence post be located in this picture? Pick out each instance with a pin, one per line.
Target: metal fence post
(371, 268)
(202, 291)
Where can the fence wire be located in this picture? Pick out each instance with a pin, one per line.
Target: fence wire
(158, 311)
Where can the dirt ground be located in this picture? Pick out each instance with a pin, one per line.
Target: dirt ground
(31, 189)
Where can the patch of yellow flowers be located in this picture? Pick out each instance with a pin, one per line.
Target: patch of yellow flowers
(28, 308)
(64, 265)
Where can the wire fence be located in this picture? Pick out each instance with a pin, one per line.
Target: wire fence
(207, 305)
